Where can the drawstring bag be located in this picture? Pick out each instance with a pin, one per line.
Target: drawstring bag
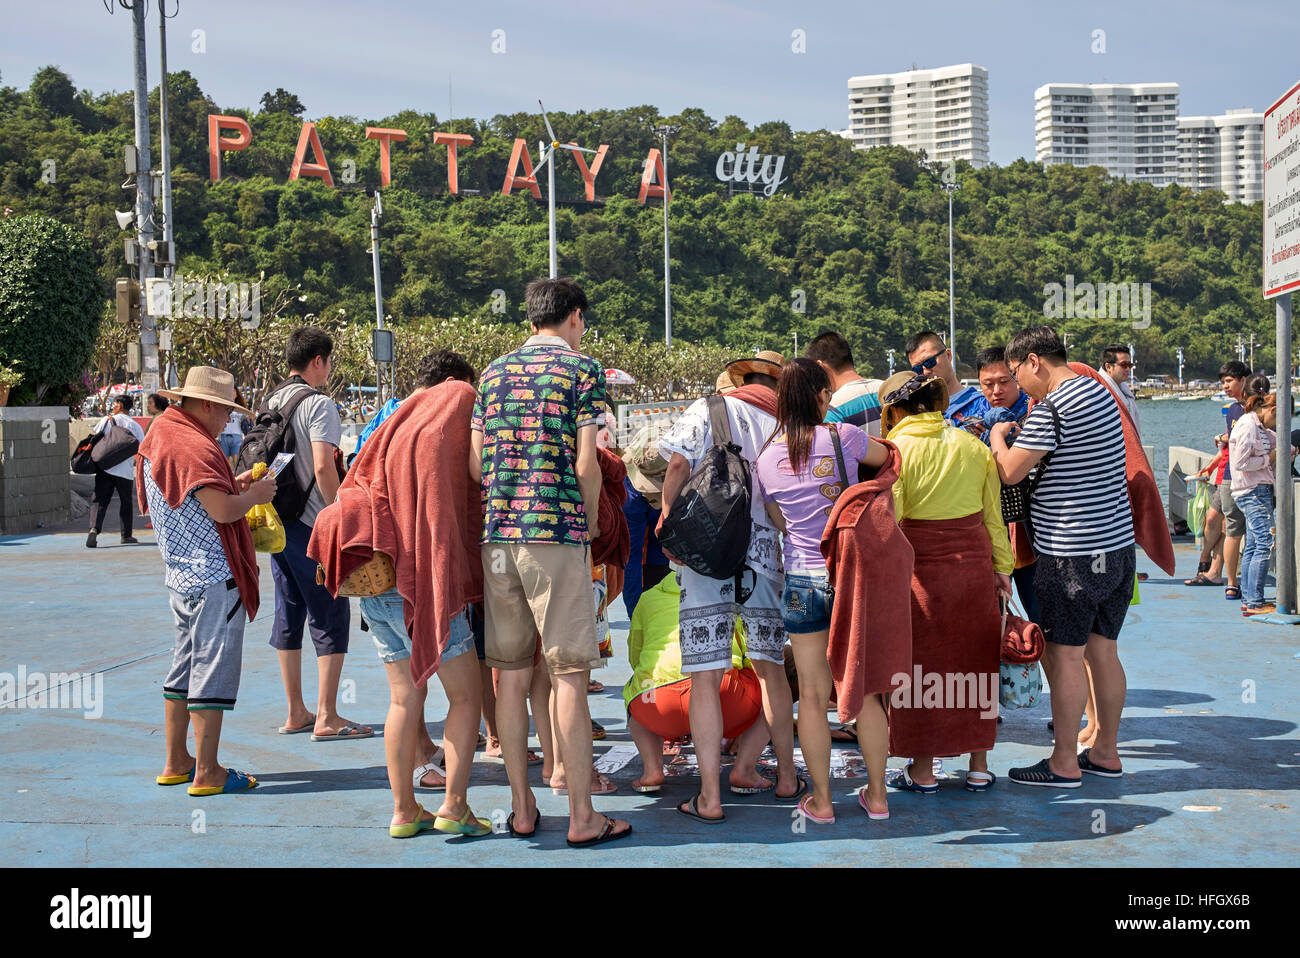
(264, 522)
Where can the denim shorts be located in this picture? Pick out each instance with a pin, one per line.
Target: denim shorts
(806, 603)
(387, 624)
(229, 443)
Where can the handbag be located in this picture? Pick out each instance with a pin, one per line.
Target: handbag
(117, 446)
(1015, 498)
(81, 463)
(373, 577)
(1023, 642)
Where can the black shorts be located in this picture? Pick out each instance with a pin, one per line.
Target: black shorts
(1083, 595)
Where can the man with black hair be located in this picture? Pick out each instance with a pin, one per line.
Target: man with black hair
(533, 453)
(928, 356)
(1225, 524)
(1117, 367)
(299, 601)
(1082, 530)
(854, 399)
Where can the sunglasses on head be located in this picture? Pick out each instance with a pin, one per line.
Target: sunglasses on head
(925, 364)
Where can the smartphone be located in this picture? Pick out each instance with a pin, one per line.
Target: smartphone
(277, 464)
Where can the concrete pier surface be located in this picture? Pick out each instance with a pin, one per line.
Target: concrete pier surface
(1209, 742)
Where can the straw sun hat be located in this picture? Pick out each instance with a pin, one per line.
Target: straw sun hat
(207, 382)
(767, 362)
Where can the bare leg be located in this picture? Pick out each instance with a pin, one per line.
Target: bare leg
(329, 668)
(1064, 667)
(176, 721)
(512, 724)
(778, 709)
(1088, 734)
(873, 739)
(539, 697)
(706, 734)
(460, 680)
(291, 676)
(749, 746)
(489, 700)
(1232, 559)
(400, 739)
(651, 749)
(573, 740)
(207, 736)
(814, 731)
(1112, 687)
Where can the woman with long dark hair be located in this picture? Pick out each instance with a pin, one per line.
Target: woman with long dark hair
(800, 472)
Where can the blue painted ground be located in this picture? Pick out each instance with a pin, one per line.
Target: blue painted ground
(78, 791)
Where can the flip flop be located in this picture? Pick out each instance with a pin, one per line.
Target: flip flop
(1042, 774)
(691, 809)
(594, 687)
(1086, 765)
(844, 734)
(753, 789)
(803, 810)
(794, 796)
(176, 779)
(235, 782)
(510, 824)
(411, 829)
(1201, 579)
(981, 784)
(901, 778)
(424, 770)
(468, 824)
(351, 730)
(874, 816)
(646, 789)
(607, 834)
(310, 724)
(597, 731)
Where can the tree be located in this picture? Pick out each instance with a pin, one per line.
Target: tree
(282, 101)
(50, 303)
(53, 92)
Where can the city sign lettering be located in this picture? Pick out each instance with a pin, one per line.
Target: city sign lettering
(743, 167)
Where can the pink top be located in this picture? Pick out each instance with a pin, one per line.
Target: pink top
(1248, 447)
(806, 500)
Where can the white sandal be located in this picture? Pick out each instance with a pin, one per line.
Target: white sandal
(425, 769)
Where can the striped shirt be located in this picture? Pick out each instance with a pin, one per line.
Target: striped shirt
(1081, 505)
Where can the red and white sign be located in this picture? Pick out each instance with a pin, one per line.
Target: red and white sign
(1282, 195)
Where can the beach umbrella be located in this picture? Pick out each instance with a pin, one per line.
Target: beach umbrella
(617, 377)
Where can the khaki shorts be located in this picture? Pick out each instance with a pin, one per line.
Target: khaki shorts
(532, 587)
(1234, 520)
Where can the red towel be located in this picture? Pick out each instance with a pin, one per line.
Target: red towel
(759, 396)
(183, 456)
(869, 563)
(956, 642)
(615, 543)
(409, 496)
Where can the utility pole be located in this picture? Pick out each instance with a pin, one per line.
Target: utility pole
(144, 203)
(164, 134)
(1252, 352)
(1132, 373)
(550, 218)
(1180, 367)
(377, 211)
(664, 132)
(890, 354)
(951, 186)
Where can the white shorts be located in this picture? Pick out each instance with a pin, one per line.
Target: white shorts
(707, 619)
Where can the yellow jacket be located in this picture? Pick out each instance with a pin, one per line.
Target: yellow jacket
(948, 473)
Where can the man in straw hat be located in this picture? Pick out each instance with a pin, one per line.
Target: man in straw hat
(709, 606)
(185, 483)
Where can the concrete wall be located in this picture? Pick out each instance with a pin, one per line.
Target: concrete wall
(33, 467)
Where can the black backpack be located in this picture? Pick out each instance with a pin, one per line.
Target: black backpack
(709, 525)
(271, 435)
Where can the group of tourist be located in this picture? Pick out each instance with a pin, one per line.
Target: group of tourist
(1241, 476)
(495, 520)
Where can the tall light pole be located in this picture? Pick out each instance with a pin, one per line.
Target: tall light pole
(1132, 373)
(950, 186)
(1180, 367)
(164, 141)
(144, 223)
(664, 132)
(377, 211)
(890, 354)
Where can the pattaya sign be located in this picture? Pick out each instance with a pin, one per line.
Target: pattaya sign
(519, 172)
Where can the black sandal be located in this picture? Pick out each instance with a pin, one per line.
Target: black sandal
(607, 834)
(537, 823)
(691, 809)
(794, 796)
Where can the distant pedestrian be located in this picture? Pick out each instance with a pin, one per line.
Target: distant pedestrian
(1252, 448)
(928, 356)
(155, 405)
(198, 507)
(119, 478)
(1117, 367)
(855, 399)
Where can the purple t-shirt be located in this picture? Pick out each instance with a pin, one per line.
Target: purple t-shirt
(806, 500)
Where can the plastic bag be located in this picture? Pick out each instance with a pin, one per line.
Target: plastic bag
(1136, 600)
(1197, 507)
(264, 522)
(1021, 686)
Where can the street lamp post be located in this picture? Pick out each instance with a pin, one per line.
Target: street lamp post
(1180, 367)
(950, 186)
(890, 354)
(664, 132)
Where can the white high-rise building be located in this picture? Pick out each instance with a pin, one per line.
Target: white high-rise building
(944, 112)
(1223, 153)
(1131, 129)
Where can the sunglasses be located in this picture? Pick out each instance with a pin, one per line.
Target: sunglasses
(925, 364)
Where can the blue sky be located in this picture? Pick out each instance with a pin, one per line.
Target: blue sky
(373, 59)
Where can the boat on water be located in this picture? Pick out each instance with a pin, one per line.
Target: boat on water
(1162, 397)
(1220, 397)
(1189, 398)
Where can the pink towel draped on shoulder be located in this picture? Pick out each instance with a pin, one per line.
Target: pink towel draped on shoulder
(409, 496)
(869, 564)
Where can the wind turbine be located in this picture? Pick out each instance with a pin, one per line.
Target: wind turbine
(547, 153)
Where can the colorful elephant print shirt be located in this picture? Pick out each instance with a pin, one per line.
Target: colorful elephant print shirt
(531, 404)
